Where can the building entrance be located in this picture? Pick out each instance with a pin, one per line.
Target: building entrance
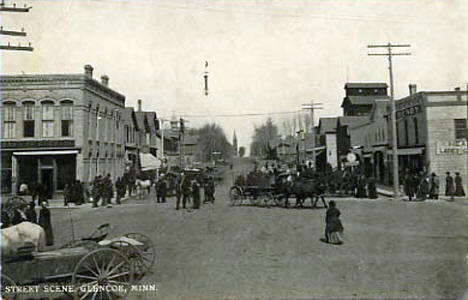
(47, 180)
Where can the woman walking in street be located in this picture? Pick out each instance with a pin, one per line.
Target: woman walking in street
(333, 229)
(459, 191)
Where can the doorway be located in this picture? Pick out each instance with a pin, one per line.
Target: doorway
(47, 180)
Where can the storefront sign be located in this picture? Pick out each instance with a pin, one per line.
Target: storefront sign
(37, 144)
(453, 147)
(410, 111)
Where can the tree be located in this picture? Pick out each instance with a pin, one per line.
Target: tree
(241, 151)
(264, 140)
(211, 140)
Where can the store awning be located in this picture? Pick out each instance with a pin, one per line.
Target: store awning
(409, 151)
(57, 152)
(149, 162)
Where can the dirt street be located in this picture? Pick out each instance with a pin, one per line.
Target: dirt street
(392, 249)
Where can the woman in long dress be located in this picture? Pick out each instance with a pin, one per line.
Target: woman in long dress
(459, 191)
(334, 229)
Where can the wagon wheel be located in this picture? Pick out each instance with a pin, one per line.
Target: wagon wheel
(134, 255)
(235, 195)
(7, 282)
(103, 274)
(277, 200)
(255, 200)
(147, 250)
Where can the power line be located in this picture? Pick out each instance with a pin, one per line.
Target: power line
(241, 115)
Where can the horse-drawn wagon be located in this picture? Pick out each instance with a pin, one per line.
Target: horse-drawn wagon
(260, 188)
(90, 268)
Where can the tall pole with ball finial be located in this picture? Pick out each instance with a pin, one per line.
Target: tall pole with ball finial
(205, 75)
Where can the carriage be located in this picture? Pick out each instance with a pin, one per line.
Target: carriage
(89, 268)
(256, 188)
(267, 190)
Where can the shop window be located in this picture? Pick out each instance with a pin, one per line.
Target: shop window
(460, 129)
(28, 120)
(66, 110)
(48, 119)
(416, 130)
(9, 124)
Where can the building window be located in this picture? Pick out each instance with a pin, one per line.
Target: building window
(127, 134)
(47, 119)
(67, 118)
(460, 129)
(9, 124)
(406, 132)
(28, 120)
(416, 130)
(148, 137)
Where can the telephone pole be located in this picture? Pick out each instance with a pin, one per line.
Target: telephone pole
(311, 107)
(390, 54)
(8, 46)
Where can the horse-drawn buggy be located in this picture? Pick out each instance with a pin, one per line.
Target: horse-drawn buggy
(90, 268)
(269, 189)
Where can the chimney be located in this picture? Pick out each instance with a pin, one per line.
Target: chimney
(105, 80)
(459, 95)
(412, 89)
(139, 104)
(88, 70)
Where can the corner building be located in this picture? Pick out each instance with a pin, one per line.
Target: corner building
(59, 128)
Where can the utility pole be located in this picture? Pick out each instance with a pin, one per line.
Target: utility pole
(8, 46)
(390, 54)
(311, 107)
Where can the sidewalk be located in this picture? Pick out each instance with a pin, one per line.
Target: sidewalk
(387, 191)
(57, 203)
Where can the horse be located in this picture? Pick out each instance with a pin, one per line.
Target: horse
(142, 185)
(302, 189)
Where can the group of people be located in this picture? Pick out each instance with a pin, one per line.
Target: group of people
(102, 188)
(189, 190)
(74, 192)
(421, 186)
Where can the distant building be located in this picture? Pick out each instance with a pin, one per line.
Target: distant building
(59, 128)
(327, 131)
(235, 147)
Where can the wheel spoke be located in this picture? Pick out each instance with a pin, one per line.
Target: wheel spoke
(91, 270)
(109, 265)
(118, 275)
(116, 268)
(85, 277)
(96, 264)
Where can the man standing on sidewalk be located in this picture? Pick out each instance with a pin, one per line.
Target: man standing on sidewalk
(108, 191)
(449, 189)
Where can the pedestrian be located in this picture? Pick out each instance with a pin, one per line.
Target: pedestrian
(372, 189)
(459, 191)
(119, 187)
(107, 191)
(408, 185)
(30, 213)
(162, 190)
(178, 192)
(40, 193)
(361, 186)
(46, 224)
(423, 189)
(96, 191)
(79, 193)
(195, 194)
(334, 228)
(434, 191)
(449, 188)
(66, 194)
(186, 190)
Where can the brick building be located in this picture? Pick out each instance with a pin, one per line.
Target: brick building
(60, 128)
(431, 127)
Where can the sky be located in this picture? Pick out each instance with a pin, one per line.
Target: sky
(264, 57)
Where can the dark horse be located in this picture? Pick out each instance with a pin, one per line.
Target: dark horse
(302, 189)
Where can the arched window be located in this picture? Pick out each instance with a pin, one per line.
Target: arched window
(47, 119)
(28, 119)
(9, 117)
(66, 117)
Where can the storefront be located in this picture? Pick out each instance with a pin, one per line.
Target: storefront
(52, 169)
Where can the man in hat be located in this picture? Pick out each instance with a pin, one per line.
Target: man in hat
(449, 189)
